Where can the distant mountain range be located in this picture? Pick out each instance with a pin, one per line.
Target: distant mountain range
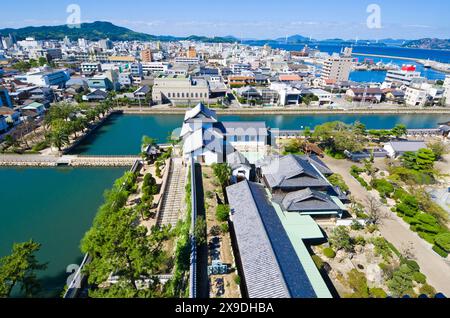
(102, 30)
(436, 44)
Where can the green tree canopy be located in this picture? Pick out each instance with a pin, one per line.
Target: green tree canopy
(19, 269)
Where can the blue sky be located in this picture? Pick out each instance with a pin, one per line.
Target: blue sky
(245, 18)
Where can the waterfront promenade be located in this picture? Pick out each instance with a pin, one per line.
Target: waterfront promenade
(14, 160)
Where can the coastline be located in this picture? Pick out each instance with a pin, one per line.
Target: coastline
(285, 111)
(435, 67)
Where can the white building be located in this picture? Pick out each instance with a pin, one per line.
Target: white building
(447, 90)
(404, 76)
(210, 141)
(89, 68)
(180, 89)
(398, 148)
(155, 67)
(287, 94)
(338, 67)
(46, 78)
(187, 60)
(416, 96)
(323, 95)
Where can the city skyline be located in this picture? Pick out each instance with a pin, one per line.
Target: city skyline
(327, 19)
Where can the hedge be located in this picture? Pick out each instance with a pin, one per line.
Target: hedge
(411, 264)
(440, 251)
(443, 241)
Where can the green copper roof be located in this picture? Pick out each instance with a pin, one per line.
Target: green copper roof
(298, 228)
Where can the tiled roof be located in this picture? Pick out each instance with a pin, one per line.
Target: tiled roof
(271, 266)
(293, 172)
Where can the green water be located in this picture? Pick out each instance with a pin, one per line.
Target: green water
(121, 134)
(54, 207)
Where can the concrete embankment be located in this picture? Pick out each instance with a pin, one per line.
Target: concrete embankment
(441, 67)
(288, 111)
(72, 161)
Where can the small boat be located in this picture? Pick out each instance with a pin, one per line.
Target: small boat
(427, 64)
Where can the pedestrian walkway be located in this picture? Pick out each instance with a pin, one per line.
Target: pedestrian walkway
(173, 200)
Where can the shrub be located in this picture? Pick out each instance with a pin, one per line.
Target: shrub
(358, 282)
(377, 293)
(384, 187)
(356, 226)
(394, 249)
(222, 212)
(237, 280)
(360, 240)
(443, 241)
(419, 278)
(440, 251)
(224, 228)
(382, 248)
(428, 219)
(337, 180)
(200, 230)
(401, 282)
(340, 239)
(411, 264)
(372, 228)
(215, 230)
(427, 290)
(328, 252)
(430, 238)
(318, 261)
(399, 194)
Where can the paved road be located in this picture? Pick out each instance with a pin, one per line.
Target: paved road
(396, 231)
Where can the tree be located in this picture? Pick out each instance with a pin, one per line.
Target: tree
(19, 269)
(148, 141)
(359, 128)
(59, 138)
(422, 161)
(223, 173)
(200, 230)
(222, 212)
(438, 148)
(340, 239)
(399, 131)
(402, 282)
(374, 211)
(42, 61)
(338, 137)
(337, 181)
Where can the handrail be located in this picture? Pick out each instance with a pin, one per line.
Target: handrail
(193, 266)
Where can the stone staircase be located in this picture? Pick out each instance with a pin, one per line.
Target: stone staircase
(173, 201)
